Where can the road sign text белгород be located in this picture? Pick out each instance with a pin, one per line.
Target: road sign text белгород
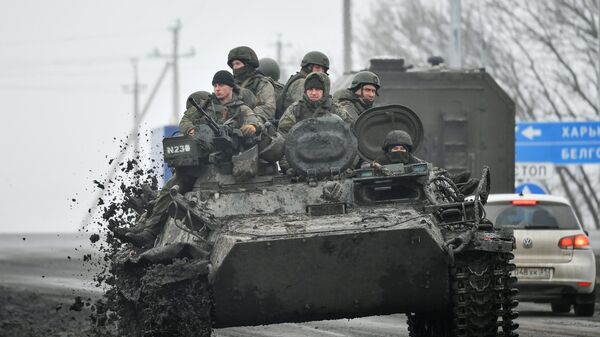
(560, 143)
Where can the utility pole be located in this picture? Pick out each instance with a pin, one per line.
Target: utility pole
(279, 45)
(174, 57)
(455, 47)
(347, 22)
(135, 89)
(112, 171)
(598, 56)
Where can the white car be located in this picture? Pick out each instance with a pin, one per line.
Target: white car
(555, 263)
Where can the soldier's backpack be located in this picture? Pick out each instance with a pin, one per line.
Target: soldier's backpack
(278, 96)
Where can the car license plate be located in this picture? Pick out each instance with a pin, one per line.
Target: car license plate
(533, 273)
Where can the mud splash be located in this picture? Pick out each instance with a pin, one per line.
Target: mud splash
(160, 292)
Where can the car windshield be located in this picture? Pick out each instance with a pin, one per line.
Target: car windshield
(542, 215)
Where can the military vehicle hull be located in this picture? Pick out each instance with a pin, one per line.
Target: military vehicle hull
(282, 270)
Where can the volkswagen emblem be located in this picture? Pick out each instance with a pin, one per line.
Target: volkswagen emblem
(527, 243)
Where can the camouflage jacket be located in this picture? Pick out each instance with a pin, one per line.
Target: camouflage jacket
(236, 108)
(353, 104)
(302, 110)
(265, 95)
(294, 89)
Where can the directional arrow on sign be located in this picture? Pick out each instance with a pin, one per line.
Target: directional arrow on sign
(531, 132)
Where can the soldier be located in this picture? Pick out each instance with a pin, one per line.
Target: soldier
(397, 148)
(312, 62)
(243, 61)
(269, 67)
(315, 102)
(361, 94)
(224, 104)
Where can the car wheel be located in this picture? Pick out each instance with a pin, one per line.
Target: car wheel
(560, 308)
(586, 309)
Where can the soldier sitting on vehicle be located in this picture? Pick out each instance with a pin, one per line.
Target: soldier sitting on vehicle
(397, 148)
(315, 102)
(360, 95)
(224, 106)
(312, 62)
(244, 63)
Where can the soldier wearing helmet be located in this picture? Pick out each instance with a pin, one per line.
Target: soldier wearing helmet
(312, 62)
(269, 67)
(244, 63)
(397, 148)
(315, 102)
(360, 95)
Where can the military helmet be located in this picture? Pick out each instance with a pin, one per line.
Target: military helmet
(269, 67)
(397, 137)
(364, 77)
(244, 54)
(315, 57)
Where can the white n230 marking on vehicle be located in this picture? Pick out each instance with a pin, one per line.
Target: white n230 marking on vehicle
(178, 149)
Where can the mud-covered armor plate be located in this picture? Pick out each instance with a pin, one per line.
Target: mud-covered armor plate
(372, 125)
(320, 146)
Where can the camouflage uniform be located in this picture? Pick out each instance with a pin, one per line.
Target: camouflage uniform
(351, 102)
(220, 113)
(294, 87)
(247, 77)
(354, 104)
(305, 108)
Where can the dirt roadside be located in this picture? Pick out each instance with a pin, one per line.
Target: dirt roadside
(48, 312)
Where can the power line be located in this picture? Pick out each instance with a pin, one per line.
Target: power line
(174, 56)
(116, 35)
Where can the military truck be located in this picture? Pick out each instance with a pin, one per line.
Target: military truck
(469, 120)
(326, 241)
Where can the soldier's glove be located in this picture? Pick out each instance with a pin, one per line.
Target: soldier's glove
(248, 129)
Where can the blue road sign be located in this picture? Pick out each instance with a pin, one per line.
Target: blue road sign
(558, 142)
(157, 150)
(530, 188)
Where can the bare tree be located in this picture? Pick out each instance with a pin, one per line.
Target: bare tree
(543, 53)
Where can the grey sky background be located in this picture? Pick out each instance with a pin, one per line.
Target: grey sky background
(63, 66)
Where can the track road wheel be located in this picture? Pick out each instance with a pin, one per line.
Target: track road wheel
(560, 308)
(482, 296)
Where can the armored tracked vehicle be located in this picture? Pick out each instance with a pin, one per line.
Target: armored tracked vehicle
(325, 241)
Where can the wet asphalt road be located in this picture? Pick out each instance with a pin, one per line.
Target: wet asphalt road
(536, 320)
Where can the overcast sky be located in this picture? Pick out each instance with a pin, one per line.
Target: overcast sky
(64, 65)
